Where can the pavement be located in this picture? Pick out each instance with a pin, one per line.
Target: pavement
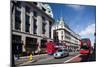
(25, 60)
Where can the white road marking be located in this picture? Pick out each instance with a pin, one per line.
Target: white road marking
(72, 58)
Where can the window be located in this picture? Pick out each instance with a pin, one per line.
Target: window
(43, 25)
(27, 19)
(50, 25)
(27, 9)
(56, 33)
(59, 50)
(43, 43)
(62, 37)
(27, 23)
(43, 9)
(35, 26)
(43, 18)
(17, 20)
(35, 3)
(27, 28)
(67, 36)
(16, 44)
(62, 26)
(49, 11)
(17, 26)
(43, 28)
(31, 44)
(55, 36)
(35, 14)
(18, 4)
(61, 32)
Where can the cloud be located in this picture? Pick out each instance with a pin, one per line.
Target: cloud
(76, 7)
(88, 32)
(90, 29)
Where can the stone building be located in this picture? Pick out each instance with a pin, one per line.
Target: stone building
(31, 24)
(65, 34)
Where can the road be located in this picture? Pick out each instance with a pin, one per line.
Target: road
(50, 60)
(45, 59)
(84, 58)
(55, 61)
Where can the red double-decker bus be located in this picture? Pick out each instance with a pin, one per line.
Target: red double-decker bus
(85, 46)
(50, 48)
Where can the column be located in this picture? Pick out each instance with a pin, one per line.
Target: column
(31, 22)
(23, 18)
(52, 29)
(39, 44)
(47, 29)
(23, 45)
(39, 25)
(13, 20)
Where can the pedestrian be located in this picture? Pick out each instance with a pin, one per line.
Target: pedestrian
(30, 57)
(17, 52)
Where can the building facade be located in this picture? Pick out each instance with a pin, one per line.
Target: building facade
(65, 34)
(31, 24)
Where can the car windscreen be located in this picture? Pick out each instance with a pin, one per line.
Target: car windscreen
(65, 50)
(59, 50)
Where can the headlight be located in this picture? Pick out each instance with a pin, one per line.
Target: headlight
(59, 54)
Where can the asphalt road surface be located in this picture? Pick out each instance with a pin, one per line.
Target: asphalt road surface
(45, 59)
(52, 60)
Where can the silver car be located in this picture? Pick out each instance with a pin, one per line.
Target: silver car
(61, 53)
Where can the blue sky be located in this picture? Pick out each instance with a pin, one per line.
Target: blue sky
(80, 18)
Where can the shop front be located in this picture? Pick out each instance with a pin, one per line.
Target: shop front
(16, 45)
(31, 45)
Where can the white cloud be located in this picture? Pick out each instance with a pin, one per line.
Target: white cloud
(88, 32)
(90, 29)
